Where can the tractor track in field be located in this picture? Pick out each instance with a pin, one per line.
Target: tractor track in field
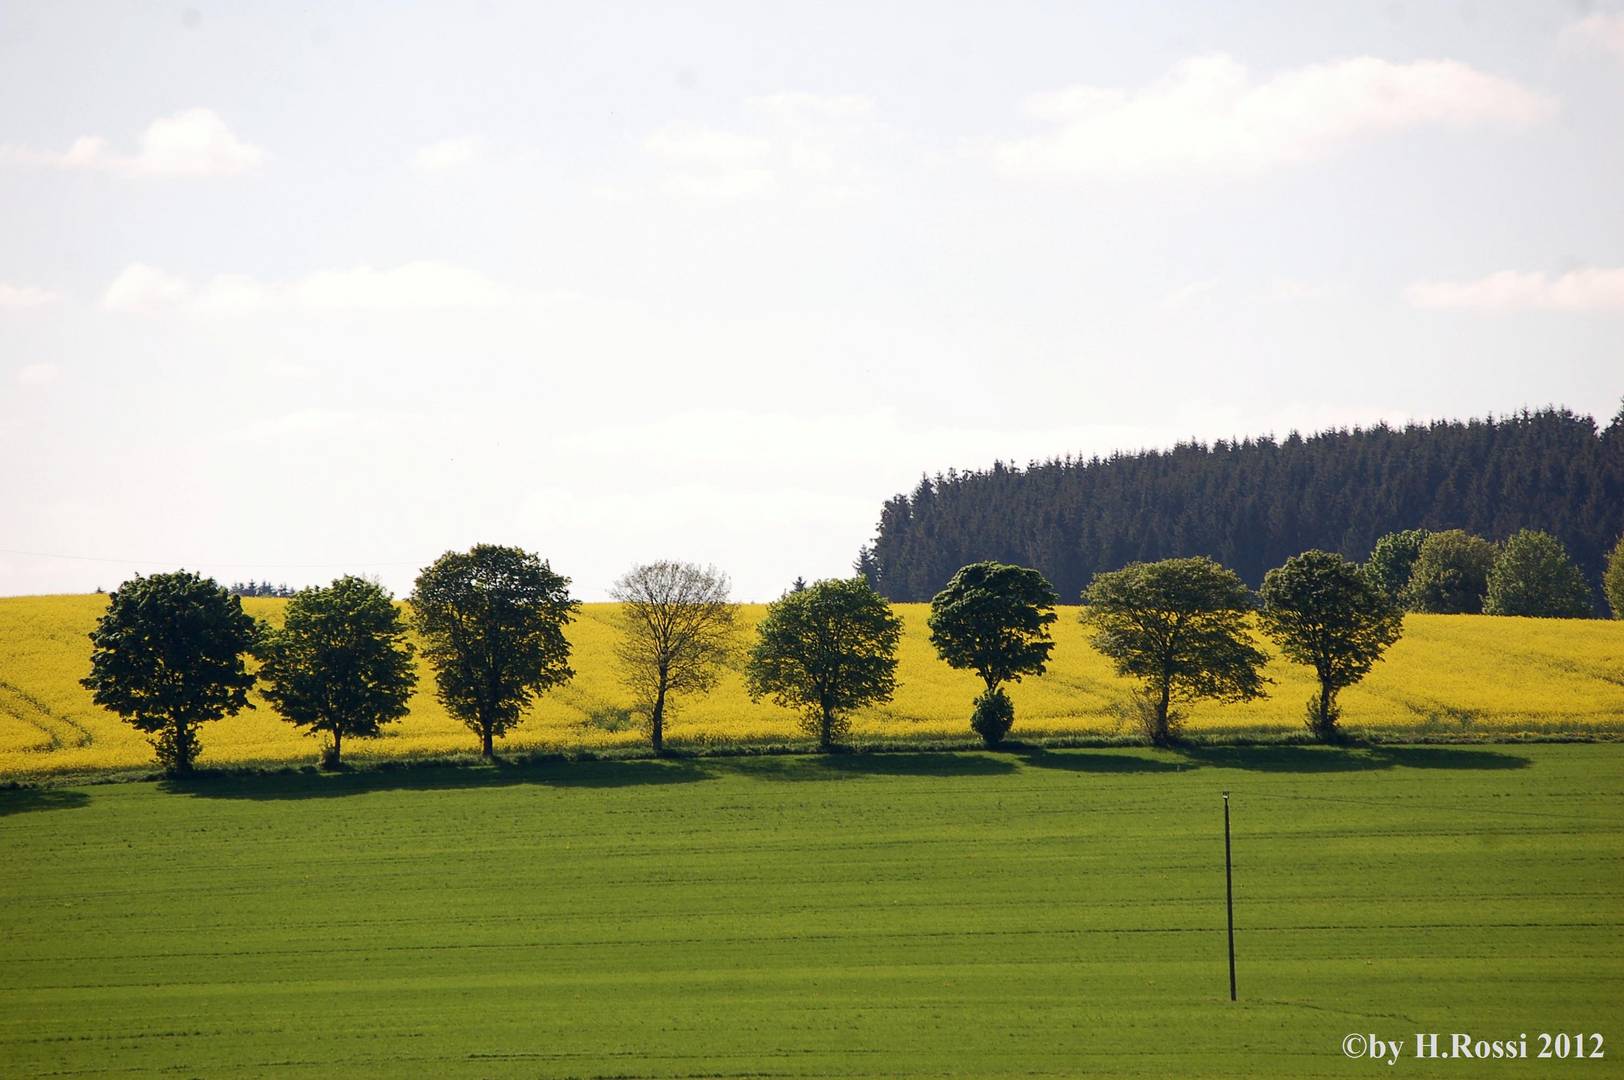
(28, 709)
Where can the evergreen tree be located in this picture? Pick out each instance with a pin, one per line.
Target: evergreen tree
(1253, 503)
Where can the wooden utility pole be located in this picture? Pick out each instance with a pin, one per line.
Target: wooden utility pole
(1229, 898)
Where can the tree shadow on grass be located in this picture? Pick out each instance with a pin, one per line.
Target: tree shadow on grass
(1331, 759)
(843, 766)
(1085, 762)
(313, 785)
(1450, 757)
(28, 800)
(610, 774)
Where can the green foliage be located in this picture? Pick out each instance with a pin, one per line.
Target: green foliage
(1533, 575)
(1612, 582)
(1392, 560)
(992, 716)
(994, 619)
(824, 651)
(1326, 612)
(340, 665)
(492, 620)
(1451, 575)
(1180, 626)
(167, 656)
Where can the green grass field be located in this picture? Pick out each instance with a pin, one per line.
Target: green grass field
(1040, 914)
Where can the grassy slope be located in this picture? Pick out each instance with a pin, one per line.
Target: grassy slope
(924, 914)
(1449, 674)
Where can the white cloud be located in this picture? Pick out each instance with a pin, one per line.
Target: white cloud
(809, 146)
(190, 143)
(143, 289)
(708, 147)
(1210, 114)
(446, 155)
(1591, 289)
(414, 286)
(1602, 30)
(24, 296)
(712, 164)
(37, 374)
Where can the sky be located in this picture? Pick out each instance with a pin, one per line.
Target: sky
(292, 290)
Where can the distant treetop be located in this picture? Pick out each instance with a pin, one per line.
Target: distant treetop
(1253, 503)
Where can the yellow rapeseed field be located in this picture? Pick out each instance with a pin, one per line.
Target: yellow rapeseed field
(1450, 673)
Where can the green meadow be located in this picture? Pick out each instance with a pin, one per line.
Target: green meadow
(1041, 913)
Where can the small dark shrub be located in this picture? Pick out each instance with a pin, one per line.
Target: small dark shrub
(993, 716)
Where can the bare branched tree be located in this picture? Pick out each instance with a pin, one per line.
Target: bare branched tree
(678, 635)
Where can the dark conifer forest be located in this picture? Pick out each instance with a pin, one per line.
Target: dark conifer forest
(1252, 503)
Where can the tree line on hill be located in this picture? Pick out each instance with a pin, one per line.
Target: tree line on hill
(170, 652)
(260, 588)
(1251, 503)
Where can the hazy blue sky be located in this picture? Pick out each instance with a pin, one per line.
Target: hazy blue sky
(288, 290)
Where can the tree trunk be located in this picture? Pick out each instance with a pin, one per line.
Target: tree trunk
(657, 721)
(338, 745)
(182, 748)
(1326, 694)
(825, 738)
(1161, 709)
(486, 749)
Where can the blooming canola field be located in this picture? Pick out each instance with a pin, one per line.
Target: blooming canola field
(1449, 674)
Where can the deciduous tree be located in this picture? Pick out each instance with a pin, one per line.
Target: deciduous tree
(492, 620)
(1324, 611)
(1612, 582)
(1179, 625)
(340, 663)
(677, 634)
(1392, 560)
(1533, 575)
(167, 656)
(993, 619)
(824, 651)
(1451, 574)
